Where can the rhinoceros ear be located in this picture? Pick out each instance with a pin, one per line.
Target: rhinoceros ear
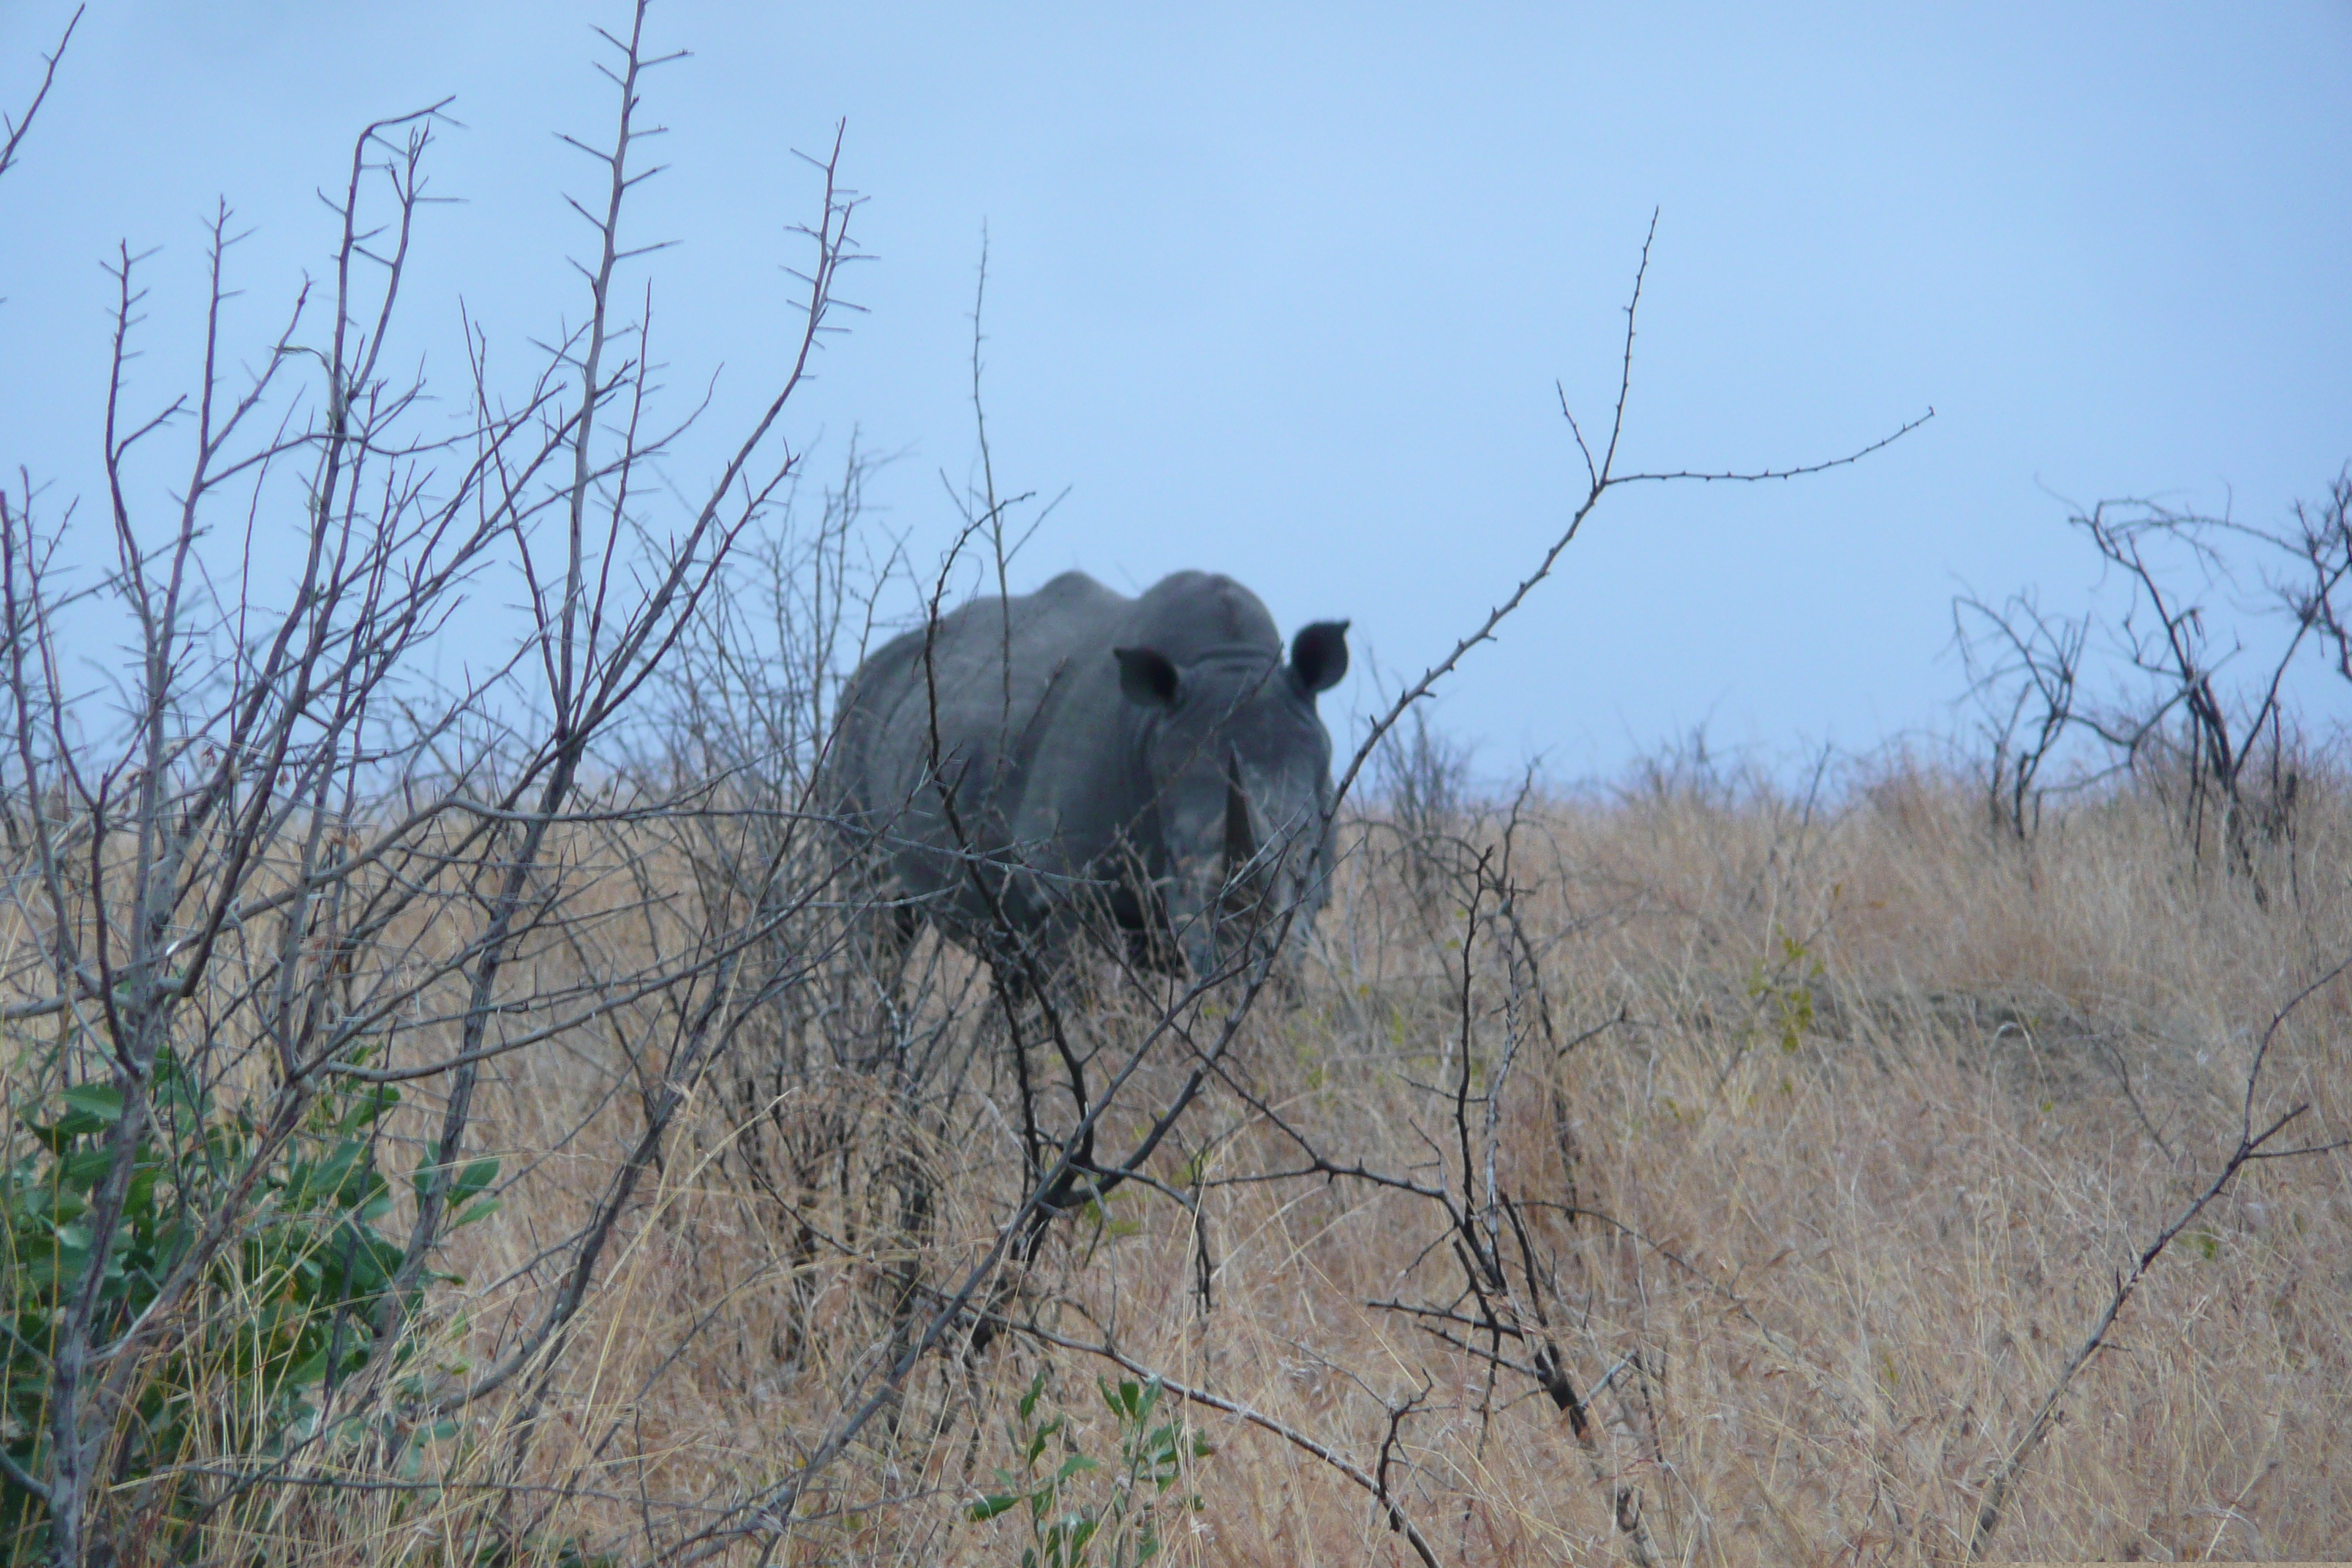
(1146, 676)
(1319, 655)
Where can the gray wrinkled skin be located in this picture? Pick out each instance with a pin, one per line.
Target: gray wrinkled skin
(1151, 769)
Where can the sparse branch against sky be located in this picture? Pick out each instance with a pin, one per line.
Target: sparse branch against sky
(1288, 297)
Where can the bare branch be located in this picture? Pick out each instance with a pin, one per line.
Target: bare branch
(15, 130)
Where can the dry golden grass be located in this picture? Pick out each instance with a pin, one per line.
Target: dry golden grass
(1885, 1105)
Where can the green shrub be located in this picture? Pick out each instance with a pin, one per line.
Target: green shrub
(280, 1317)
(1074, 1522)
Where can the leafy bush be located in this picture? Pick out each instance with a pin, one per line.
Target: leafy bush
(1073, 1523)
(278, 1320)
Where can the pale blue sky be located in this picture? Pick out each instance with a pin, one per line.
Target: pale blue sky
(1284, 291)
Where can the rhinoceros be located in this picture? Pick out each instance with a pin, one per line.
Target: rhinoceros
(1027, 771)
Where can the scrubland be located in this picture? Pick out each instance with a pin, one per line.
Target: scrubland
(476, 1124)
(1813, 1136)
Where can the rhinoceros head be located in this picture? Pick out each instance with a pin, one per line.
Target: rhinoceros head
(1240, 771)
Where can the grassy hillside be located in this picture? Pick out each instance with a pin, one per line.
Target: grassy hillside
(1806, 1143)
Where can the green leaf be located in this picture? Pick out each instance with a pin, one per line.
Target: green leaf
(482, 1208)
(330, 1182)
(988, 1507)
(82, 1172)
(310, 1369)
(473, 1179)
(368, 1106)
(102, 1101)
(63, 1206)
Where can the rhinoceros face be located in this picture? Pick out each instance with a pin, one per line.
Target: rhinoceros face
(1241, 769)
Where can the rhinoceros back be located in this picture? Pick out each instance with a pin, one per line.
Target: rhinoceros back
(986, 738)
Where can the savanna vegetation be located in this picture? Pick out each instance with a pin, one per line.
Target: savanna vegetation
(474, 1124)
